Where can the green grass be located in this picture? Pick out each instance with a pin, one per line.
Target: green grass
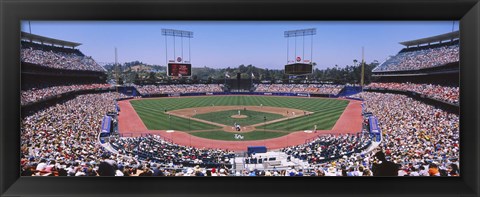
(224, 117)
(155, 119)
(254, 135)
(324, 119)
(326, 111)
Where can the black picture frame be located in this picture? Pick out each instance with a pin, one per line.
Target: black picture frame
(11, 12)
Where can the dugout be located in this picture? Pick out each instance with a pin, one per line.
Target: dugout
(256, 149)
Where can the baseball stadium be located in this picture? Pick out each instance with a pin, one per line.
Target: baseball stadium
(399, 117)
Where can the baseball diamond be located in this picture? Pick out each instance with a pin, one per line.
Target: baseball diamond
(194, 117)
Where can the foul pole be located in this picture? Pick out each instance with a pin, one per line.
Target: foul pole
(117, 69)
(363, 69)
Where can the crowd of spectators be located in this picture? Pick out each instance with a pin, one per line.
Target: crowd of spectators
(59, 59)
(300, 88)
(329, 147)
(416, 136)
(154, 148)
(422, 58)
(418, 140)
(34, 92)
(179, 88)
(64, 136)
(444, 93)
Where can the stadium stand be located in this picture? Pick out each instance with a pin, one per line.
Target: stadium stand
(156, 149)
(52, 67)
(420, 134)
(66, 132)
(330, 147)
(448, 94)
(416, 134)
(179, 88)
(428, 67)
(300, 88)
(422, 57)
(58, 58)
(36, 92)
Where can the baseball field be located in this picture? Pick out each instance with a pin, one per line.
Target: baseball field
(259, 117)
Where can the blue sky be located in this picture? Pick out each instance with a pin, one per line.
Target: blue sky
(231, 43)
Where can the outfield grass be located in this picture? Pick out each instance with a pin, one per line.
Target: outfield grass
(326, 111)
(254, 135)
(324, 119)
(156, 119)
(224, 117)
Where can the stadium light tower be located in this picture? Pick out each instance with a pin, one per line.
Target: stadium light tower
(300, 33)
(299, 65)
(175, 34)
(117, 69)
(178, 66)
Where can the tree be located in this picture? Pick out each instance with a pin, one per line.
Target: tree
(136, 79)
(120, 81)
(194, 79)
(209, 80)
(152, 79)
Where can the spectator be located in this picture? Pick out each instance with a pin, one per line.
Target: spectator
(413, 171)
(453, 170)
(433, 170)
(106, 167)
(384, 167)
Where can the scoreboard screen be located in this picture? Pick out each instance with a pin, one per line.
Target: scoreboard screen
(177, 69)
(298, 69)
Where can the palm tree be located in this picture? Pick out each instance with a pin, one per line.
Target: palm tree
(355, 62)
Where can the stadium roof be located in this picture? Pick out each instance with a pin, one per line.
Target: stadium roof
(438, 38)
(46, 40)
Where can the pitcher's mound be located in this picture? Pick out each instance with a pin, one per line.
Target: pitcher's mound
(239, 116)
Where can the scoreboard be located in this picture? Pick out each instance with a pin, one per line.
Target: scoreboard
(298, 69)
(177, 69)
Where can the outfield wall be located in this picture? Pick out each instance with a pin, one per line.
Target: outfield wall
(241, 93)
